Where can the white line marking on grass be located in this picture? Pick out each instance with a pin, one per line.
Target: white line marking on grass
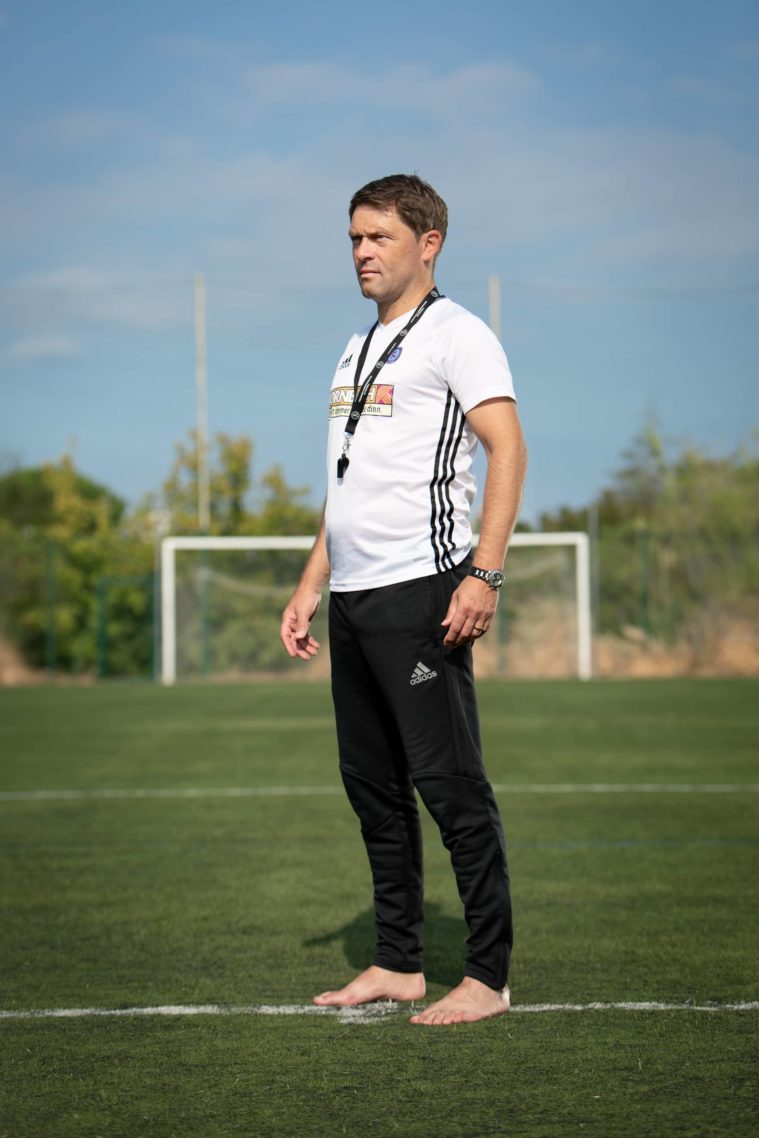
(626, 788)
(318, 791)
(364, 1014)
(180, 792)
(639, 1006)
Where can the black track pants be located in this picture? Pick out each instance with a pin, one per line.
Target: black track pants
(407, 717)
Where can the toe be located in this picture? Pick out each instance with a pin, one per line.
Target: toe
(327, 999)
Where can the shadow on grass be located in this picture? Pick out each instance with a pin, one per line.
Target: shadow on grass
(444, 939)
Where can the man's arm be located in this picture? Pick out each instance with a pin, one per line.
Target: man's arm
(473, 605)
(294, 630)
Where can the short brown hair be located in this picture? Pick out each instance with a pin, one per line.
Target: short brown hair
(415, 202)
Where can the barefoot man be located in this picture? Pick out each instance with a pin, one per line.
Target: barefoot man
(411, 398)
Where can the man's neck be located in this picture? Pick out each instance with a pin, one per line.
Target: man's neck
(390, 311)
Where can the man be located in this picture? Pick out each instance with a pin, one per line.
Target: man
(406, 600)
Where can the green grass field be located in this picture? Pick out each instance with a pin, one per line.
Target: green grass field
(244, 900)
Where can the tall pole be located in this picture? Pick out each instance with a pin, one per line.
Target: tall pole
(584, 608)
(168, 613)
(494, 299)
(201, 386)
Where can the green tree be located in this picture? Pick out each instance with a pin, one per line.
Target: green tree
(27, 496)
(678, 539)
(61, 534)
(229, 484)
(76, 568)
(284, 508)
(237, 506)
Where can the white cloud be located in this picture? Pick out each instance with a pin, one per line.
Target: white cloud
(85, 293)
(265, 214)
(615, 202)
(42, 348)
(74, 278)
(202, 50)
(692, 85)
(224, 69)
(734, 97)
(588, 54)
(82, 128)
(747, 49)
(408, 87)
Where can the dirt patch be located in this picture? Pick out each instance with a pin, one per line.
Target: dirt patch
(541, 643)
(14, 671)
(729, 649)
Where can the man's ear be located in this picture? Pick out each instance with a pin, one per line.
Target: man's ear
(431, 243)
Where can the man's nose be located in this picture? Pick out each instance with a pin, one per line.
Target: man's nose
(362, 250)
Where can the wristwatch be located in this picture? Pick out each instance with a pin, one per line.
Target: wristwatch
(493, 578)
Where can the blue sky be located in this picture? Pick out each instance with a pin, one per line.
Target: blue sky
(601, 158)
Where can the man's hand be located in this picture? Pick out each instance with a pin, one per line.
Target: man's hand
(294, 632)
(470, 612)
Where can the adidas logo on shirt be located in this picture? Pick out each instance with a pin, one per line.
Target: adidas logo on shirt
(421, 673)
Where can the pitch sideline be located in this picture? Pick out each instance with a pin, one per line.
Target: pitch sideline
(363, 1014)
(127, 793)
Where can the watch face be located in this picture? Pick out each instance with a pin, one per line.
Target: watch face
(493, 577)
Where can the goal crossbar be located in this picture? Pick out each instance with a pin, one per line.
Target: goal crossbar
(170, 546)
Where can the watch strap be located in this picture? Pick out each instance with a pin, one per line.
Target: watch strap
(493, 578)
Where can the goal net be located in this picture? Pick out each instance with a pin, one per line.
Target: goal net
(222, 598)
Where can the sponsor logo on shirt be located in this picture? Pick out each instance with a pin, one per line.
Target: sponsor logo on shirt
(346, 361)
(379, 401)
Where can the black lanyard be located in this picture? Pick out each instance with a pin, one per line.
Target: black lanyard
(361, 394)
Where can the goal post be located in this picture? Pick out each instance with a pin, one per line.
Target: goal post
(170, 546)
(575, 544)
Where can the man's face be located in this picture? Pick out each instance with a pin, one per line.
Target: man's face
(391, 261)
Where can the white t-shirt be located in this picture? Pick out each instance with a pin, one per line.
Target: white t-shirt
(402, 508)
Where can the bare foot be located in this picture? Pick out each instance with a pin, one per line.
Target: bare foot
(468, 1002)
(375, 984)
